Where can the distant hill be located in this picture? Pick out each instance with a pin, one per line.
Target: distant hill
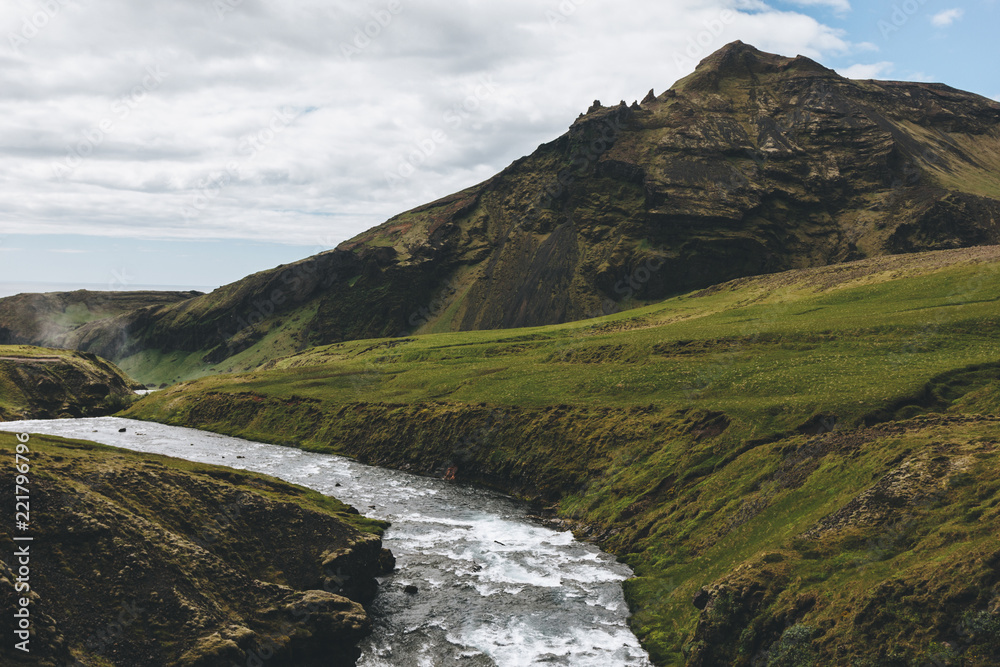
(753, 164)
(45, 319)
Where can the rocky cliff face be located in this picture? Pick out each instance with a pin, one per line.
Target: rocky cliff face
(152, 561)
(754, 164)
(40, 383)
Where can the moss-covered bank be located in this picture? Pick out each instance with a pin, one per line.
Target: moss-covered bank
(45, 383)
(147, 560)
(879, 536)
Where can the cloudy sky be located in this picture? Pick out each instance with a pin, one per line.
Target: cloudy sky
(192, 142)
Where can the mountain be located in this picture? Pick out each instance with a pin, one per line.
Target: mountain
(45, 383)
(800, 468)
(45, 319)
(753, 164)
(147, 560)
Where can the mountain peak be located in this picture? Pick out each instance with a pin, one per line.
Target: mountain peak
(740, 60)
(737, 56)
(736, 47)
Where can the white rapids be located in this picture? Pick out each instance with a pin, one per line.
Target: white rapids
(495, 588)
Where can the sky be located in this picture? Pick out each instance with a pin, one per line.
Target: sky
(192, 142)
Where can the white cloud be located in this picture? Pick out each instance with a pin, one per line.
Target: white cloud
(839, 6)
(947, 17)
(260, 124)
(872, 71)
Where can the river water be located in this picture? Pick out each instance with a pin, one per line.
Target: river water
(494, 586)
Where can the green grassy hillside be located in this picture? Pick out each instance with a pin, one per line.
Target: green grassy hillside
(799, 467)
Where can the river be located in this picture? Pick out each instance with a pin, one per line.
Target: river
(495, 588)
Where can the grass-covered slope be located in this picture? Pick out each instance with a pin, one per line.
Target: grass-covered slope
(148, 560)
(800, 467)
(40, 383)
